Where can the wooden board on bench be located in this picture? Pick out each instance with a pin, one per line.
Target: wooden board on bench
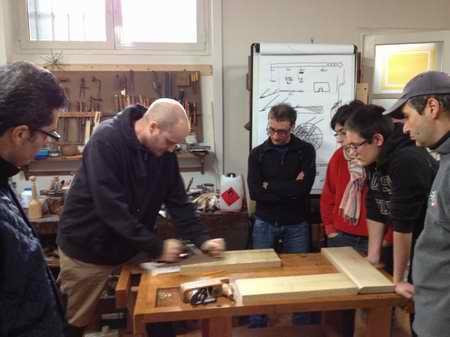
(367, 278)
(236, 261)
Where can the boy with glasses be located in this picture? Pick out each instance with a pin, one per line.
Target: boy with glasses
(399, 179)
(281, 173)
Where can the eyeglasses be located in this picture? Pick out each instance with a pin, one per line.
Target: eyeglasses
(54, 135)
(355, 147)
(340, 133)
(280, 132)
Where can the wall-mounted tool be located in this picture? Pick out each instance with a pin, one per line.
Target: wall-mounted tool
(95, 101)
(97, 118)
(156, 84)
(180, 97)
(182, 79)
(195, 78)
(168, 84)
(64, 81)
(195, 114)
(82, 95)
(131, 87)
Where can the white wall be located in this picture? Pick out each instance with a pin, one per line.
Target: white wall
(326, 21)
(3, 47)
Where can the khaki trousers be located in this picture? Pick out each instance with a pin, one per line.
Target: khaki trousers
(82, 284)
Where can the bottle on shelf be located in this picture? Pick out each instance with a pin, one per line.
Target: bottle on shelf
(35, 207)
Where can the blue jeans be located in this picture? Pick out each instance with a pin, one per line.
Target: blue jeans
(359, 243)
(293, 238)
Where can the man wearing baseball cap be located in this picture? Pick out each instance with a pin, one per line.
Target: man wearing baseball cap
(425, 108)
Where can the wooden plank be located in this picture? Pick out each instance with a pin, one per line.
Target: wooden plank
(204, 69)
(269, 289)
(366, 277)
(76, 114)
(236, 261)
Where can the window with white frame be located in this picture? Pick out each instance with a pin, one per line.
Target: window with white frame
(66, 20)
(119, 24)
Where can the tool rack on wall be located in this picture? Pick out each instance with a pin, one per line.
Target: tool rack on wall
(108, 89)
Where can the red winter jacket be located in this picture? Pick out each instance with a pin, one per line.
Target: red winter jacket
(336, 181)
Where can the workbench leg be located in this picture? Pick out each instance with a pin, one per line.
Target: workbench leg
(331, 324)
(217, 327)
(130, 312)
(379, 322)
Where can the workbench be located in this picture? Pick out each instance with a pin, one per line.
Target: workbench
(157, 299)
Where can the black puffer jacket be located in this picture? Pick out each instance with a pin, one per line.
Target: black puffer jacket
(29, 301)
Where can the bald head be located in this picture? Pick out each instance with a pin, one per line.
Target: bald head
(168, 113)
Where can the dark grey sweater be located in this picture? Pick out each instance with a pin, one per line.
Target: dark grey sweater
(431, 264)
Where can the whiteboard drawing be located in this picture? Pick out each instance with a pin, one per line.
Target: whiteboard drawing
(309, 109)
(321, 87)
(315, 83)
(310, 132)
(290, 80)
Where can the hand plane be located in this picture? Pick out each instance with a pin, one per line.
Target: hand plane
(205, 291)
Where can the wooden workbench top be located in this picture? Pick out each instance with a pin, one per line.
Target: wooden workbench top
(158, 297)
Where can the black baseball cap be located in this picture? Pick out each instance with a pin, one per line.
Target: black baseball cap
(427, 83)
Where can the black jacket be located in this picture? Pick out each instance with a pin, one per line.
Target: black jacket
(284, 199)
(111, 208)
(399, 184)
(29, 298)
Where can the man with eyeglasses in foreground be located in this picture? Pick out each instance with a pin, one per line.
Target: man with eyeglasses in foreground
(399, 178)
(29, 299)
(425, 109)
(129, 169)
(281, 173)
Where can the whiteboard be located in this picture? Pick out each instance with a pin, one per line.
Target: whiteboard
(315, 79)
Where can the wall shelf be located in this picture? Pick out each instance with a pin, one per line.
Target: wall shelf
(188, 161)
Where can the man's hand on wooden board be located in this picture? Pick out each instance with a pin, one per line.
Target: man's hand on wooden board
(172, 249)
(214, 247)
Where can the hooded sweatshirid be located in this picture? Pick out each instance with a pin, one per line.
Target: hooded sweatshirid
(431, 264)
(399, 184)
(111, 208)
